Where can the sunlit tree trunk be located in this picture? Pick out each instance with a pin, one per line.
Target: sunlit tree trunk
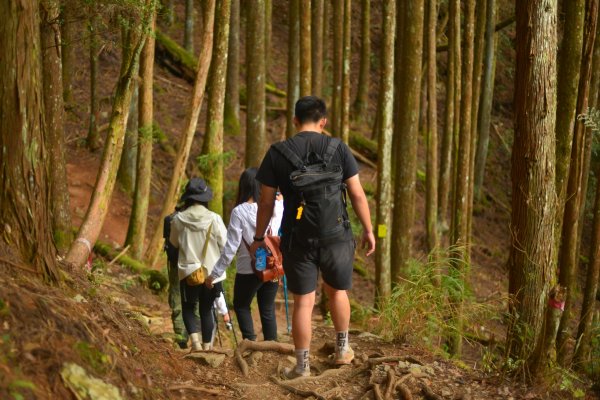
(345, 101)
(185, 143)
(54, 110)
(136, 233)
(93, 137)
(232, 94)
(361, 103)
(531, 260)
(268, 34)
(317, 47)
(293, 83)
(406, 151)
(305, 49)
(326, 77)
(431, 205)
(188, 32)
(338, 46)
(212, 148)
(67, 30)
(25, 195)
(105, 181)
(568, 257)
(384, 157)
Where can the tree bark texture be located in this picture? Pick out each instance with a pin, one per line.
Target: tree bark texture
(54, 114)
(406, 152)
(431, 205)
(361, 103)
(93, 137)
(127, 172)
(232, 94)
(345, 103)
(326, 61)
(105, 181)
(255, 85)
(305, 49)
(212, 148)
(185, 144)
(486, 97)
(293, 83)
(188, 32)
(67, 30)
(338, 46)
(136, 233)
(383, 285)
(24, 175)
(531, 259)
(316, 31)
(568, 257)
(268, 34)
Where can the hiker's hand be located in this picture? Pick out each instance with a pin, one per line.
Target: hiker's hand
(254, 246)
(368, 242)
(208, 282)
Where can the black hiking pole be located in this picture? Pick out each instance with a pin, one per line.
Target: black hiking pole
(217, 326)
(232, 327)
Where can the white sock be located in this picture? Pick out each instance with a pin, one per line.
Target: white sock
(341, 341)
(302, 360)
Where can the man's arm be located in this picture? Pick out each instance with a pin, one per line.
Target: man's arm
(361, 208)
(263, 217)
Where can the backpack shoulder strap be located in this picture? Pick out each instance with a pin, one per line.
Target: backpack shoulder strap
(284, 149)
(331, 149)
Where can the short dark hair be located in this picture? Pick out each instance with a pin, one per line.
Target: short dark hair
(310, 109)
(248, 187)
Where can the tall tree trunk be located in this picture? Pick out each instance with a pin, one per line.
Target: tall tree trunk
(460, 205)
(305, 49)
(345, 106)
(24, 175)
(136, 233)
(232, 94)
(406, 152)
(568, 257)
(93, 137)
(268, 35)
(127, 172)
(431, 205)
(168, 12)
(212, 148)
(256, 135)
(105, 181)
(361, 103)
(486, 97)
(383, 285)
(338, 46)
(185, 143)
(531, 260)
(68, 49)
(317, 47)
(188, 32)
(326, 61)
(293, 83)
(54, 110)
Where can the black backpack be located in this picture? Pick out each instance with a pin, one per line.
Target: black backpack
(319, 197)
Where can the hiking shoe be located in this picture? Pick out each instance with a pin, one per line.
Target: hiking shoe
(344, 358)
(293, 373)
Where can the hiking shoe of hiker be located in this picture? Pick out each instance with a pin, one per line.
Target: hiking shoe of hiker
(196, 341)
(292, 373)
(344, 358)
(207, 346)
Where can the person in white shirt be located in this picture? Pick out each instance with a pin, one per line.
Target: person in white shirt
(242, 225)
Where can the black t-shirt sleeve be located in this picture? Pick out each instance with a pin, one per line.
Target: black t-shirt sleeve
(349, 164)
(266, 172)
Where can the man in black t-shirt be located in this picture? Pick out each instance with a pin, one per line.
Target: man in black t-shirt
(302, 264)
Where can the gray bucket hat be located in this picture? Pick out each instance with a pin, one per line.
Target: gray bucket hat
(196, 189)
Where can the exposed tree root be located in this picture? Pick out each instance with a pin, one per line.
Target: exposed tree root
(295, 390)
(429, 394)
(196, 388)
(248, 345)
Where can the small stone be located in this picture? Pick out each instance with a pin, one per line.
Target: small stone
(210, 359)
(369, 336)
(254, 358)
(446, 393)
(291, 359)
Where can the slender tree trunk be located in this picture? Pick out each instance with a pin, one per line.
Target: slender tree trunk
(136, 233)
(68, 53)
(293, 83)
(326, 61)
(188, 32)
(383, 285)
(127, 172)
(361, 103)
(531, 260)
(268, 34)
(232, 94)
(399, 76)
(345, 106)
(317, 47)
(460, 215)
(168, 12)
(212, 149)
(54, 110)
(486, 97)
(185, 144)
(105, 181)
(93, 137)
(255, 83)
(406, 152)
(568, 257)
(305, 49)
(338, 46)
(24, 176)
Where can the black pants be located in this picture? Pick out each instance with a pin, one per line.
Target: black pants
(246, 286)
(200, 296)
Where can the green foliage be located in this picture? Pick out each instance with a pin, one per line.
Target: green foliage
(593, 367)
(16, 386)
(208, 162)
(591, 119)
(94, 358)
(4, 309)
